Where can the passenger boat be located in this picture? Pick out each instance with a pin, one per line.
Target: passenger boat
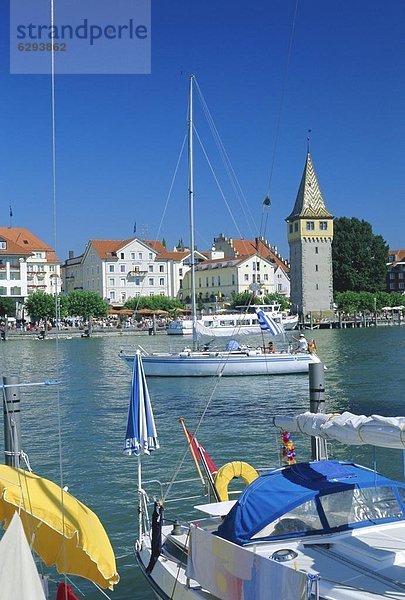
(234, 324)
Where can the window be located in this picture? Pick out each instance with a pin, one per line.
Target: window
(233, 279)
(316, 250)
(150, 268)
(161, 269)
(199, 282)
(279, 287)
(316, 267)
(151, 281)
(137, 282)
(133, 255)
(181, 272)
(246, 277)
(111, 268)
(317, 286)
(206, 282)
(150, 256)
(123, 281)
(122, 255)
(123, 296)
(401, 286)
(392, 286)
(400, 275)
(151, 293)
(310, 225)
(357, 506)
(140, 255)
(266, 277)
(112, 295)
(392, 275)
(212, 281)
(219, 280)
(3, 245)
(111, 282)
(296, 226)
(122, 268)
(162, 293)
(323, 225)
(299, 520)
(291, 227)
(258, 266)
(161, 281)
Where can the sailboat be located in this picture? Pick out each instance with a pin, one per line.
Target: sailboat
(234, 361)
(321, 530)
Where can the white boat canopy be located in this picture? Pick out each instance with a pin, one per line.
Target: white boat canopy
(386, 432)
(221, 332)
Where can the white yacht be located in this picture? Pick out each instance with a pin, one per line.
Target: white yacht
(330, 530)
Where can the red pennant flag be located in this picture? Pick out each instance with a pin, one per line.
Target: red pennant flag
(201, 454)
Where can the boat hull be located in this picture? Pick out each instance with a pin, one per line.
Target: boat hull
(228, 364)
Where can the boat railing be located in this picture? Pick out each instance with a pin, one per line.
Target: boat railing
(163, 486)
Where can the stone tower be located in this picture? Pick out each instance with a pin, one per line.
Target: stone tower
(310, 235)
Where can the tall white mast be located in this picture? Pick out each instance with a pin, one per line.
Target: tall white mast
(191, 209)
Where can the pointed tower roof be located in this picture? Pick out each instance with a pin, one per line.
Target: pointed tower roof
(309, 202)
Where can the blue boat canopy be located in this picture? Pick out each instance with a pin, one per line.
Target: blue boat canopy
(312, 498)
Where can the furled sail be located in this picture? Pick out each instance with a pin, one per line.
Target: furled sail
(348, 428)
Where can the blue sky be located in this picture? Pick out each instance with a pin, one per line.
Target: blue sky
(118, 137)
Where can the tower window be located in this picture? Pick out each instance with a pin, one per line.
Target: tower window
(296, 226)
(323, 225)
(291, 227)
(316, 250)
(317, 286)
(310, 225)
(316, 267)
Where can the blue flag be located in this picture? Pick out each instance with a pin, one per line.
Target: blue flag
(267, 323)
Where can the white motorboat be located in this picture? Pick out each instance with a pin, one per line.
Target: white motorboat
(330, 530)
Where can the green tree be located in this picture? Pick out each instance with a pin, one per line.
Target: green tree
(7, 307)
(248, 298)
(40, 305)
(359, 257)
(86, 304)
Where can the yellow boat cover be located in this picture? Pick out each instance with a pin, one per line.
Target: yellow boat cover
(62, 531)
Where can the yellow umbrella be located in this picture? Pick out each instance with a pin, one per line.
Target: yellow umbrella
(72, 539)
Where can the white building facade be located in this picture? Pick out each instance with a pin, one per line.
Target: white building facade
(122, 269)
(27, 265)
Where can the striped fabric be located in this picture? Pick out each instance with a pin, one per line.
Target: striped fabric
(268, 324)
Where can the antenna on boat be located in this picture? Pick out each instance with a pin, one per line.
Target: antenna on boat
(191, 209)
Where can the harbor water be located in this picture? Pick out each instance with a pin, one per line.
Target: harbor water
(365, 374)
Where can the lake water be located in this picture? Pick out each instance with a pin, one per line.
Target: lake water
(365, 375)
